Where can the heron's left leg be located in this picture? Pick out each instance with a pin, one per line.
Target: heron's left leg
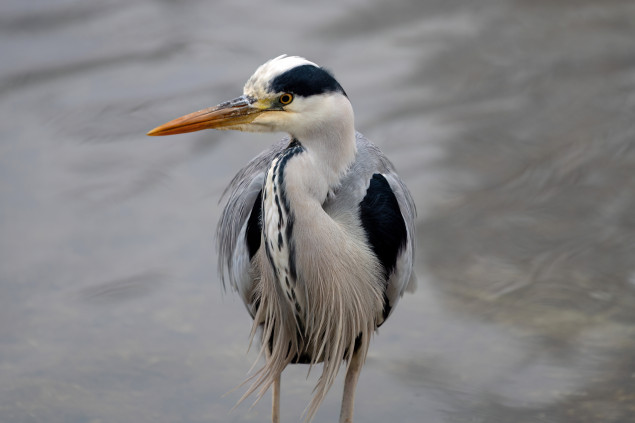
(275, 401)
(275, 393)
(350, 384)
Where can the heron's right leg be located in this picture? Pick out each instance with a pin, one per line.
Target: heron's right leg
(275, 401)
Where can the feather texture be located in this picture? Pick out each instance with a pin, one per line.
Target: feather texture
(343, 290)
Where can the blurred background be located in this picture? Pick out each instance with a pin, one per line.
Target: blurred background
(512, 122)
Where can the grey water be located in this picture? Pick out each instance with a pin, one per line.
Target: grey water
(513, 123)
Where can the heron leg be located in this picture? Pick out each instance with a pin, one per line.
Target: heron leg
(350, 384)
(275, 393)
(275, 401)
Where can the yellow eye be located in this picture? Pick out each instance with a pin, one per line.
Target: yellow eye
(285, 98)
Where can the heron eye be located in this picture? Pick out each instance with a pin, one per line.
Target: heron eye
(285, 98)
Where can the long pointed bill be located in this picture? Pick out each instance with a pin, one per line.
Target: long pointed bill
(224, 116)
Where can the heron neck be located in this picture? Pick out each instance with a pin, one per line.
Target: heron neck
(330, 147)
(327, 161)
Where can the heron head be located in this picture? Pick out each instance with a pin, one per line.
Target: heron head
(287, 94)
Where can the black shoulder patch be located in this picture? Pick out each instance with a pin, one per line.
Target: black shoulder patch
(383, 223)
(254, 227)
(305, 80)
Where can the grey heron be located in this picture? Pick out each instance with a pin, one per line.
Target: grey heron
(317, 235)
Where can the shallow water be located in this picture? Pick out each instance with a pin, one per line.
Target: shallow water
(511, 121)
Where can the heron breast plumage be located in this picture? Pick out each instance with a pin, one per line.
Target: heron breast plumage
(277, 229)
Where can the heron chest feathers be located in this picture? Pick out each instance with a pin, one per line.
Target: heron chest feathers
(309, 253)
(278, 226)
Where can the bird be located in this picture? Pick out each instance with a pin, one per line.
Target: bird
(317, 234)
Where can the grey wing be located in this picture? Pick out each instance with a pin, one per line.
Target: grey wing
(234, 225)
(387, 214)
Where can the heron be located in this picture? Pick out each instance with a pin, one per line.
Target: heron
(317, 234)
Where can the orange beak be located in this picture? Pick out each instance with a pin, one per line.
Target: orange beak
(228, 115)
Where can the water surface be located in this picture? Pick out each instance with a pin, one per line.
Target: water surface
(511, 121)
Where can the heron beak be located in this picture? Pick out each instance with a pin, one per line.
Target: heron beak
(224, 116)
